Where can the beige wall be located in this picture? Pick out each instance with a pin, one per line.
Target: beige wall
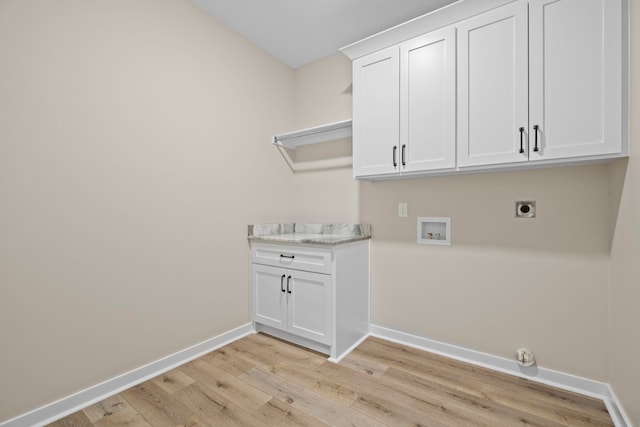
(133, 154)
(503, 282)
(323, 95)
(625, 254)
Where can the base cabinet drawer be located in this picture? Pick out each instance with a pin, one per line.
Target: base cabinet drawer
(297, 258)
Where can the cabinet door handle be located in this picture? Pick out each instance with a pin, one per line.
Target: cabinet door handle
(404, 146)
(395, 162)
(282, 283)
(287, 256)
(521, 140)
(535, 131)
(288, 281)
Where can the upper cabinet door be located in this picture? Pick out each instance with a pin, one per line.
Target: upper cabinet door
(576, 78)
(427, 102)
(376, 105)
(493, 87)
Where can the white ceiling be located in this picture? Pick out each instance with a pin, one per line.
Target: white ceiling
(302, 31)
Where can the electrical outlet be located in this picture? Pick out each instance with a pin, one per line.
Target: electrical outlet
(525, 209)
(403, 209)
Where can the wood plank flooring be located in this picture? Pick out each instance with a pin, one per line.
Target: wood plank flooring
(262, 381)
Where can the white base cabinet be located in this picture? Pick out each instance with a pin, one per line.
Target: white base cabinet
(317, 297)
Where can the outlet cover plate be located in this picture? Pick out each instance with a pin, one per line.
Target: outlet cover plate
(403, 209)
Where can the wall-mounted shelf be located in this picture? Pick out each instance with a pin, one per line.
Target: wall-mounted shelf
(314, 135)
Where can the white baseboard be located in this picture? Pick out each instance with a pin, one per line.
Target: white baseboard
(550, 377)
(72, 403)
(618, 415)
(349, 350)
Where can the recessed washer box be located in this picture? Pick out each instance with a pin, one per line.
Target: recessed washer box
(434, 230)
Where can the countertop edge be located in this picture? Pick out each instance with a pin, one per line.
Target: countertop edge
(310, 234)
(320, 241)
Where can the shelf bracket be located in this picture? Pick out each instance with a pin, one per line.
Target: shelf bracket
(314, 135)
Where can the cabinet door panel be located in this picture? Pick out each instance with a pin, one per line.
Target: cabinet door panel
(310, 306)
(493, 86)
(376, 113)
(576, 77)
(269, 302)
(427, 109)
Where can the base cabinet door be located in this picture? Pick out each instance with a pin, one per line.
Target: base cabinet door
(576, 78)
(493, 87)
(298, 302)
(309, 306)
(269, 296)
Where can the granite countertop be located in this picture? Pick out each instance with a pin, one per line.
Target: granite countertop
(322, 234)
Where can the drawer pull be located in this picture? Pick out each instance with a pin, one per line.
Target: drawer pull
(287, 256)
(395, 163)
(288, 288)
(282, 283)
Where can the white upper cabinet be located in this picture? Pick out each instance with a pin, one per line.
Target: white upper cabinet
(404, 107)
(575, 78)
(492, 84)
(427, 102)
(493, 87)
(376, 105)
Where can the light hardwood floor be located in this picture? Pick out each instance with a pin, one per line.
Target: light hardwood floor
(262, 381)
